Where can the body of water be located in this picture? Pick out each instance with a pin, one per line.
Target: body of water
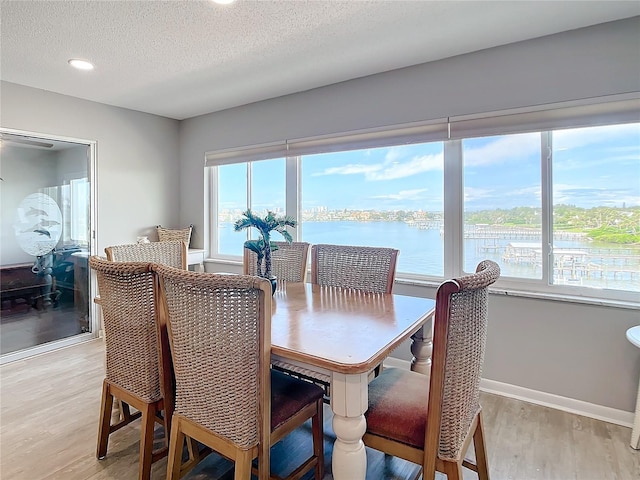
(422, 252)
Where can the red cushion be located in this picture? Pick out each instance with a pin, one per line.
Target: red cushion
(290, 395)
(398, 406)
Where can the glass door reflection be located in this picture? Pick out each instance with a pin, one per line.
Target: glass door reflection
(45, 202)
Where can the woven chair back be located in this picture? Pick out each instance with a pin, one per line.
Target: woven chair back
(460, 332)
(128, 300)
(174, 234)
(219, 331)
(371, 269)
(288, 262)
(172, 253)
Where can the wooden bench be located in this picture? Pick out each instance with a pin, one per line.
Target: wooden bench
(20, 288)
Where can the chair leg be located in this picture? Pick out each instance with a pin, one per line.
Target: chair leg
(453, 470)
(480, 449)
(116, 412)
(146, 441)
(105, 420)
(176, 443)
(243, 466)
(192, 449)
(195, 455)
(125, 410)
(318, 439)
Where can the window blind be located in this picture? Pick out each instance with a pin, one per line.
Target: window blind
(545, 118)
(369, 138)
(421, 132)
(619, 109)
(251, 153)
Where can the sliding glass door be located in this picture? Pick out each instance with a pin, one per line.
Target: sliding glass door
(46, 238)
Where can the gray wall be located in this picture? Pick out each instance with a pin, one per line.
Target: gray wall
(137, 157)
(569, 349)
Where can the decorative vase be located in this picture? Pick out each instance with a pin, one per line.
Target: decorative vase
(274, 284)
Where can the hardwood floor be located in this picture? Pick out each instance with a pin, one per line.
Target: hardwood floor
(49, 408)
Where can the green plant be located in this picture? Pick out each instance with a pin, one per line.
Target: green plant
(263, 246)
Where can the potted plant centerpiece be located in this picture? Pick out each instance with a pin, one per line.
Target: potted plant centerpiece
(263, 246)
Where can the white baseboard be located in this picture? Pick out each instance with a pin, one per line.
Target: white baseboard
(571, 405)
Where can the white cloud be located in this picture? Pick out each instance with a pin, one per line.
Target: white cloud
(414, 194)
(392, 168)
(588, 196)
(499, 198)
(533, 191)
(417, 164)
(394, 154)
(471, 193)
(351, 169)
(580, 137)
(509, 148)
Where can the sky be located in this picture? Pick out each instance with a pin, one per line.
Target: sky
(594, 166)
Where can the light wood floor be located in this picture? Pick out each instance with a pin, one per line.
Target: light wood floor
(49, 413)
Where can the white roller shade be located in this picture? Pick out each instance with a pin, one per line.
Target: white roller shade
(370, 138)
(542, 118)
(421, 132)
(251, 153)
(619, 109)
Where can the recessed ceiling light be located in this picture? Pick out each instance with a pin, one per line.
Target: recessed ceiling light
(223, 2)
(80, 64)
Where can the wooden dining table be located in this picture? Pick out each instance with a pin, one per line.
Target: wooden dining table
(345, 334)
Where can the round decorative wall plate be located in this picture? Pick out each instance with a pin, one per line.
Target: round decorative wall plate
(38, 224)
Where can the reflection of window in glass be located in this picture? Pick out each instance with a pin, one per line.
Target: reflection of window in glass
(390, 197)
(79, 210)
(73, 200)
(502, 203)
(266, 181)
(596, 207)
(65, 202)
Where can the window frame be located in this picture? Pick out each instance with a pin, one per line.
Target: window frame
(623, 109)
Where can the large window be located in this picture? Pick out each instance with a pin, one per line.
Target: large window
(557, 207)
(502, 203)
(596, 207)
(382, 197)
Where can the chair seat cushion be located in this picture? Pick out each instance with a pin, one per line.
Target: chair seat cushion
(398, 406)
(290, 395)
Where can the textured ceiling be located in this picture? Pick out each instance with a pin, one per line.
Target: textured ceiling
(180, 59)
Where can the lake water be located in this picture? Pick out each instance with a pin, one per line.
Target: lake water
(421, 250)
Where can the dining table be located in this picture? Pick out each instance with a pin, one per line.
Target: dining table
(344, 334)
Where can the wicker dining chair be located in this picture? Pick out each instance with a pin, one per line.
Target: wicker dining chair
(432, 420)
(289, 261)
(128, 294)
(369, 269)
(173, 253)
(226, 395)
